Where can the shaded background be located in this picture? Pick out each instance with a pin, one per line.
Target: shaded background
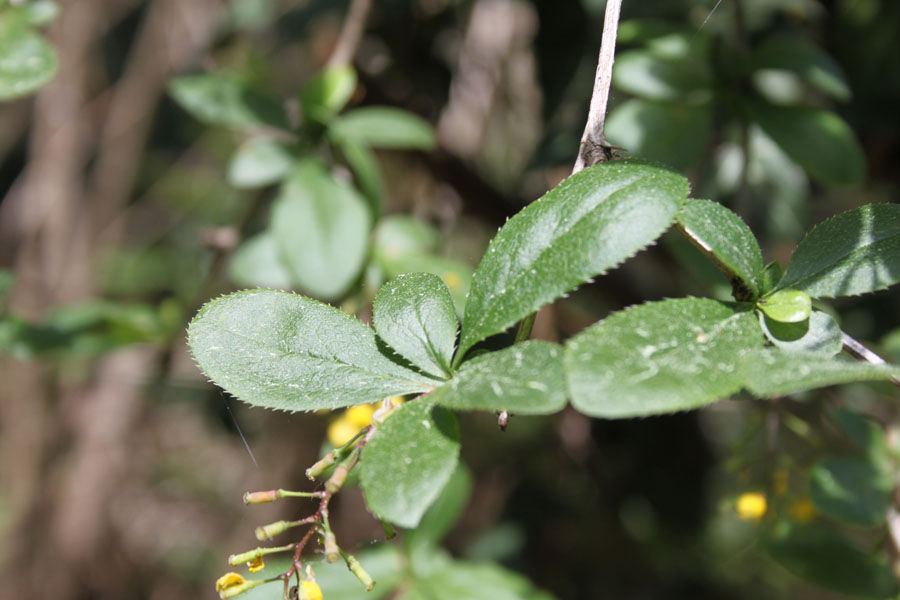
(121, 469)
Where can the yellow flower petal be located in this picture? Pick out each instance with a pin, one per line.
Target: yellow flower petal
(751, 506)
(341, 431)
(360, 415)
(453, 280)
(310, 590)
(256, 564)
(229, 580)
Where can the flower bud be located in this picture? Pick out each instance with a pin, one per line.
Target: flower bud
(309, 590)
(332, 553)
(360, 573)
(267, 532)
(261, 497)
(337, 479)
(321, 466)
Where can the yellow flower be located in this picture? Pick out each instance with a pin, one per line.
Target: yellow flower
(341, 431)
(359, 415)
(751, 506)
(229, 580)
(310, 590)
(803, 510)
(256, 564)
(397, 400)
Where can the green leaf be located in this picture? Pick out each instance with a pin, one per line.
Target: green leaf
(367, 173)
(443, 513)
(786, 306)
(223, 99)
(819, 334)
(771, 276)
(27, 61)
(796, 55)
(818, 140)
(674, 67)
(675, 134)
(852, 490)
(414, 314)
(726, 239)
(474, 581)
(772, 372)
(824, 557)
(855, 252)
(660, 357)
(259, 163)
(456, 274)
(384, 127)
(409, 460)
(289, 352)
(36, 13)
(585, 226)
(525, 379)
(256, 263)
(327, 93)
(7, 279)
(865, 433)
(321, 228)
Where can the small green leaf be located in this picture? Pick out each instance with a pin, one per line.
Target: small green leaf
(443, 513)
(259, 163)
(27, 61)
(457, 275)
(408, 461)
(660, 357)
(818, 140)
(726, 239)
(675, 134)
(772, 372)
(321, 228)
(384, 127)
(525, 379)
(36, 13)
(855, 252)
(223, 99)
(824, 557)
(796, 55)
(327, 93)
(865, 433)
(585, 226)
(819, 334)
(474, 581)
(852, 490)
(414, 314)
(368, 174)
(284, 351)
(256, 263)
(770, 278)
(786, 306)
(7, 279)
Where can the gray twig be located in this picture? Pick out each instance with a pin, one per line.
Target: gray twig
(351, 33)
(858, 350)
(594, 148)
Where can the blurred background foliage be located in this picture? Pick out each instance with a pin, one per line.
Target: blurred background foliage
(136, 188)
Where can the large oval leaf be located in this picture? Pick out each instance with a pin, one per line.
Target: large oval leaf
(660, 357)
(853, 253)
(321, 228)
(408, 461)
(414, 314)
(726, 239)
(675, 134)
(525, 379)
(851, 489)
(256, 263)
(280, 350)
(27, 61)
(258, 163)
(588, 224)
(818, 140)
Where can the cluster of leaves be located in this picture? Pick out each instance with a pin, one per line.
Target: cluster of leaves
(27, 61)
(318, 238)
(763, 108)
(289, 352)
